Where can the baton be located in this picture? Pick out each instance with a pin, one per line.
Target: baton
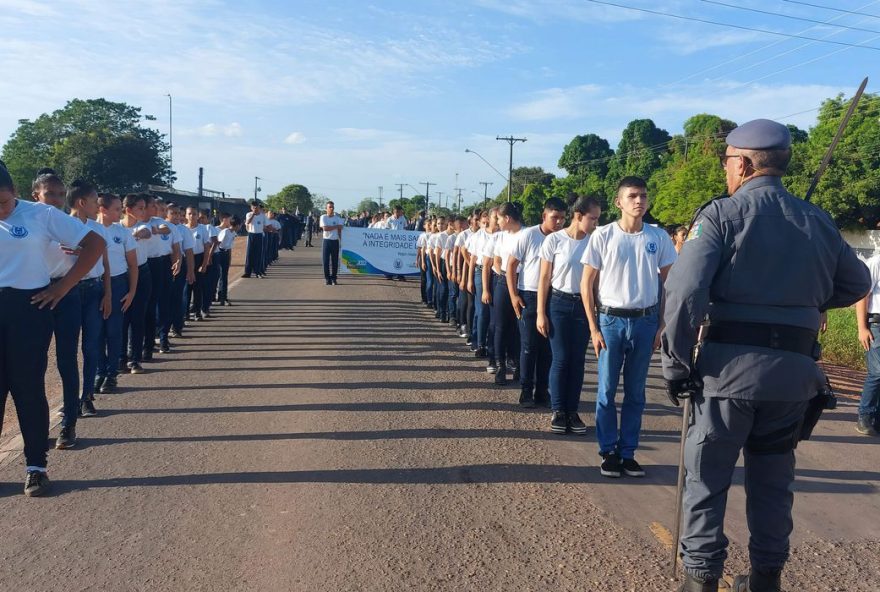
(841, 128)
(679, 494)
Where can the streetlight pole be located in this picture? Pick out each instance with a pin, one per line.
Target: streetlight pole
(510, 140)
(170, 133)
(256, 186)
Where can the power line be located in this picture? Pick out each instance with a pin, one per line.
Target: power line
(731, 25)
(834, 8)
(788, 16)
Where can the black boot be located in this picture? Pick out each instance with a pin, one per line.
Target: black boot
(692, 584)
(759, 581)
(525, 398)
(501, 375)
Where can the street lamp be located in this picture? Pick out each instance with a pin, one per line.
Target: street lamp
(170, 133)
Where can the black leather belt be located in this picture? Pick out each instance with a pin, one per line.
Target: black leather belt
(89, 281)
(628, 313)
(874, 319)
(798, 340)
(478, 267)
(223, 250)
(566, 295)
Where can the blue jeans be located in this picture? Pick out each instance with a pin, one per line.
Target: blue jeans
(222, 258)
(330, 257)
(91, 293)
(506, 327)
(870, 402)
(178, 302)
(452, 289)
(212, 277)
(569, 336)
(429, 281)
(481, 311)
(534, 352)
(443, 292)
(68, 320)
(111, 330)
(629, 346)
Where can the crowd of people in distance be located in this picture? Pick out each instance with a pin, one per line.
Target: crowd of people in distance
(530, 300)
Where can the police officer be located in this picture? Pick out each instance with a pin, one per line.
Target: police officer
(757, 270)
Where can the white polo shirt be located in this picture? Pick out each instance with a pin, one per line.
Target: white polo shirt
(449, 242)
(488, 250)
(142, 245)
(163, 242)
(396, 223)
(475, 243)
(186, 238)
(333, 220)
(200, 235)
(97, 270)
(255, 223)
(421, 241)
(565, 254)
(119, 242)
(462, 238)
(226, 238)
(24, 239)
(630, 263)
(527, 250)
(873, 264)
(504, 246)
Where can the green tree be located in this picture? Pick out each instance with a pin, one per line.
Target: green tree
(639, 153)
(532, 200)
(690, 174)
(586, 154)
(292, 197)
(523, 176)
(850, 188)
(95, 140)
(367, 205)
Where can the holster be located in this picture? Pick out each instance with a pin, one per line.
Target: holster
(824, 399)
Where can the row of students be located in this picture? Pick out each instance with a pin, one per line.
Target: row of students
(117, 308)
(264, 233)
(531, 300)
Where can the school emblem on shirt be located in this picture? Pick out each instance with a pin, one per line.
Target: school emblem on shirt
(18, 232)
(695, 232)
(165, 237)
(117, 240)
(651, 247)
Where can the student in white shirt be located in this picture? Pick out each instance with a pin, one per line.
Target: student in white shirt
(561, 315)
(212, 269)
(420, 260)
(462, 276)
(255, 223)
(489, 276)
(523, 273)
(397, 221)
(456, 225)
(273, 237)
(331, 225)
(868, 323)
(184, 272)
(428, 261)
(122, 258)
(474, 247)
(159, 260)
(201, 246)
(631, 260)
(134, 318)
(229, 226)
(26, 302)
(506, 323)
(441, 288)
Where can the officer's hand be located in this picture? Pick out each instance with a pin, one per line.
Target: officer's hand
(518, 305)
(543, 325)
(866, 338)
(683, 388)
(598, 342)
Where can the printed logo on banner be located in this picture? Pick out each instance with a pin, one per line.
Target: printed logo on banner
(398, 264)
(18, 232)
(651, 247)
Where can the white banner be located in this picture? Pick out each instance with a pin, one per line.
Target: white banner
(379, 252)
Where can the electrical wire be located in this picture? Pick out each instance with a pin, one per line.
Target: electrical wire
(731, 25)
(834, 8)
(788, 16)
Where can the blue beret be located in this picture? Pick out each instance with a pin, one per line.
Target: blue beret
(760, 134)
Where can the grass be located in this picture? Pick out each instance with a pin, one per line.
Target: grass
(840, 344)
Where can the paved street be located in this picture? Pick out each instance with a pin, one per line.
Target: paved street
(338, 438)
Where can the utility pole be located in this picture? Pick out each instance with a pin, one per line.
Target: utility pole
(427, 185)
(256, 186)
(458, 208)
(400, 189)
(170, 133)
(485, 185)
(380, 196)
(439, 198)
(510, 140)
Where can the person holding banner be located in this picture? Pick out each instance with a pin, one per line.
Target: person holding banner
(331, 225)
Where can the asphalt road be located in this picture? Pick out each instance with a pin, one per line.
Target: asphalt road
(338, 438)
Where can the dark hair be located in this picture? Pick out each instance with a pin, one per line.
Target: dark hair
(225, 215)
(6, 178)
(46, 171)
(398, 208)
(235, 221)
(584, 204)
(206, 212)
(511, 209)
(78, 190)
(45, 179)
(555, 204)
(105, 200)
(130, 200)
(632, 181)
(330, 203)
(148, 199)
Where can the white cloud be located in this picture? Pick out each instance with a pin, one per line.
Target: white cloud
(295, 138)
(358, 134)
(232, 130)
(555, 103)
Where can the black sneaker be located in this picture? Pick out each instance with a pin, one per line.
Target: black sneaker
(631, 468)
(99, 382)
(542, 399)
(123, 365)
(109, 385)
(147, 356)
(335, 282)
(558, 423)
(865, 426)
(87, 409)
(492, 367)
(526, 399)
(66, 439)
(135, 368)
(165, 348)
(575, 424)
(36, 483)
(481, 352)
(610, 466)
(516, 375)
(501, 376)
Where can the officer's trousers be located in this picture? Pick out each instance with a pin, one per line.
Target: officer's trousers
(719, 429)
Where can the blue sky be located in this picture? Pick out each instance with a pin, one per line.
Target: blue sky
(346, 96)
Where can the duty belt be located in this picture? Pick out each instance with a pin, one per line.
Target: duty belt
(874, 319)
(628, 313)
(798, 340)
(566, 295)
